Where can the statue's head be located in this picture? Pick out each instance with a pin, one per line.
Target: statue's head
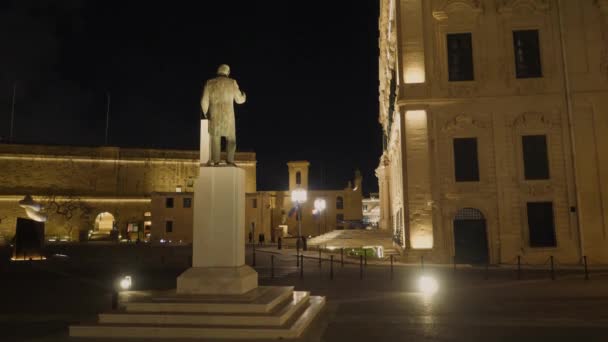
(223, 70)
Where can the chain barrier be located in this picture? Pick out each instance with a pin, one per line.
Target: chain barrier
(520, 265)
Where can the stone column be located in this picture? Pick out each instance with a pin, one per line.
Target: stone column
(384, 195)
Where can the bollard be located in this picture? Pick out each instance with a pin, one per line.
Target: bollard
(319, 256)
(331, 267)
(365, 256)
(360, 266)
(519, 267)
(301, 266)
(114, 300)
(552, 269)
(341, 257)
(392, 267)
(297, 259)
(272, 266)
(279, 243)
(586, 269)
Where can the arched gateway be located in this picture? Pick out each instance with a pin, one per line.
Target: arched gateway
(104, 222)
(470, 237)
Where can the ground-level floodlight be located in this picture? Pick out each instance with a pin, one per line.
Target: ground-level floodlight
(428, 285)
(126, 282)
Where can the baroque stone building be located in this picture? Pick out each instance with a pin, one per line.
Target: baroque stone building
(495, 116)
(97, 189)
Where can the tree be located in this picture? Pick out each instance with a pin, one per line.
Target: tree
(62, 209)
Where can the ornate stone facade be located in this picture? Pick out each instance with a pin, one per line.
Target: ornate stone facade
(567, 105)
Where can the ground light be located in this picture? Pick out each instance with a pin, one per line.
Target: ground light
(428, 285)
(126, 282)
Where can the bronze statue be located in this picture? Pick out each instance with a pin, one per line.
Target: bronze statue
(218, 97)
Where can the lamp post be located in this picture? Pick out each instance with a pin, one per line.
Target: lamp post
(298, 196)
(320, 206)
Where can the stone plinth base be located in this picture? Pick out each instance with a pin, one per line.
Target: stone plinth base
(218, 236)
(262, 313)
(217, 280)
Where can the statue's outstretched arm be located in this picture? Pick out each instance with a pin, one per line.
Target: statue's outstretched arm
(239, 96)
(205, 101)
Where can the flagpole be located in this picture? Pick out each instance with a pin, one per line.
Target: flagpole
(107, 117)
(13, 112)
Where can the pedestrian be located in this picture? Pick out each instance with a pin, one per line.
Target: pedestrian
(260, 238)
(250, 237)
(263, 241)
(304, 245)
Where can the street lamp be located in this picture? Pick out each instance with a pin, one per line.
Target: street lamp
(320, 206)
(299, 196)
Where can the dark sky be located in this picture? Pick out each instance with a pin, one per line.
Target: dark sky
(309, 70)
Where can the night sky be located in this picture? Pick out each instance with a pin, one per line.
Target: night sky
(310, 71)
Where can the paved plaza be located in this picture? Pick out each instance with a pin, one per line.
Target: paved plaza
(40, 300)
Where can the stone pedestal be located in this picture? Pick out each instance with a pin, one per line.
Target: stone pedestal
(217, 280)
(218, 258)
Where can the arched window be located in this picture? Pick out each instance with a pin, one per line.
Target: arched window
(339, 202)
(298, 178)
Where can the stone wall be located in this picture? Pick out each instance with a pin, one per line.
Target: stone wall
(97, 179)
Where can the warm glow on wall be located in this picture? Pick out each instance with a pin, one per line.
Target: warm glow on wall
(414, 74)
(415, 118)
(422, 240)
(110, 161)
(16, 198)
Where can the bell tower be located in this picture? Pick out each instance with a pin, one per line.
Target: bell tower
(298, 174)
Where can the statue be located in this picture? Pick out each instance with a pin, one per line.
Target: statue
(218, 97)
(32, 209)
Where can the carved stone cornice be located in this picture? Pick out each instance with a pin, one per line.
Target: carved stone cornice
(533, 120)
(507, 6)
(445, 7)
(462, 121)
(537, 189)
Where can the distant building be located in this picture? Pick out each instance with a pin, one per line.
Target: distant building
(267, 212)
(495, 129)
(172, 217)
(90, 192)
(371, 210)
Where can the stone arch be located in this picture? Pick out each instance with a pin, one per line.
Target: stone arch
(104, 222)
(470, 236)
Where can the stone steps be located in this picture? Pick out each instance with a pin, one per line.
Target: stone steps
(260, 300)
(277, 317)
(296, 319)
